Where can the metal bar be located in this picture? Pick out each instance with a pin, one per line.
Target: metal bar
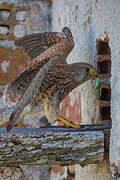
(87, 127)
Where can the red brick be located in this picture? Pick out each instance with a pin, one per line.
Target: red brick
(101, 58)
(73, 108)
(58, 169)
(16, 60)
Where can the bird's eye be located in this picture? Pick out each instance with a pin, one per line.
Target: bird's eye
(87, 70)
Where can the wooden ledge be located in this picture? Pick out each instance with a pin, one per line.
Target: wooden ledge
(52, 145)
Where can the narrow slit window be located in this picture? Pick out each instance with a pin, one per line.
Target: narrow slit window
(4, 29)
(105, 94)
(105, 112)
(103, 48)
(104, 67)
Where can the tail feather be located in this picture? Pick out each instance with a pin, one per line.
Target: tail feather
(14, 118)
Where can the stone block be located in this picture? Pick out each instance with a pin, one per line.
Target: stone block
(4, 15)
(21, 15)
(19, 31)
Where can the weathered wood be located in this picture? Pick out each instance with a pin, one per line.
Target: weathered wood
(50, 146)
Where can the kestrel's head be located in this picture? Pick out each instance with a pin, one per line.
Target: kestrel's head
(83, 71)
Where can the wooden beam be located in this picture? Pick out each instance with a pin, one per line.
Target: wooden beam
(51, 145)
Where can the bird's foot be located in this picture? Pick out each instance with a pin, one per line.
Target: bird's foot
(67, 123)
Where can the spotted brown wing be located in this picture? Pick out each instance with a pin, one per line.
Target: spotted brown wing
(35, 44)
(41, 46)
(18, 86)
(32, 90)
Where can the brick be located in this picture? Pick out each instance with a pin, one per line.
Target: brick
(12, 62)
(101, 58)
(58, 169)
(103, 47)
(6, 21)
(103, 65)
(105, 92)
(71, 108)
(105, 113)
(21, 15)
(19, 31)
(4, 29)
(4, 15)
(104, 103)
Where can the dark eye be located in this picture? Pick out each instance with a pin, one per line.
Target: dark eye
(87, 70)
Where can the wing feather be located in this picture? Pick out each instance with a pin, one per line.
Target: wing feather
(39, 42)
(32, 90)
(40, 47)
(18, 86)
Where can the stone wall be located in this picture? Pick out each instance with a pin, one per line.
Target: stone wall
(19, 18)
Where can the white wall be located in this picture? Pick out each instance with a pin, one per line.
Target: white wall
(90, 20)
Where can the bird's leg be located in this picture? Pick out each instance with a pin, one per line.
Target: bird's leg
(20, 124)
(66, 122)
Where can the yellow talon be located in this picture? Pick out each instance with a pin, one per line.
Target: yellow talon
(67, 123)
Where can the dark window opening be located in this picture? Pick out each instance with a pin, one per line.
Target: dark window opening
(4, 14)
(103, 48)
(105, 112)
(104, 67)
(105, 94)
(4, 29)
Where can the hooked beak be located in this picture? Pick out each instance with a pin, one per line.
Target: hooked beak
(92, 74)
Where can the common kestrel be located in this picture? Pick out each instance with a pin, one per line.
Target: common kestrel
(49, 78)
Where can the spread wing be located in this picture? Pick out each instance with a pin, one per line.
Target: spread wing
(40, 47)
(18, 86)
(35, 44)
(32, 90)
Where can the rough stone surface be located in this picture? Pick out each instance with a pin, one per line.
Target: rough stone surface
(7, 44)
(14, 173)
(35, 17)
(19, 31)
(36, 20)
(36, 172)
(21, 15)
(4, 15)
(4, 30)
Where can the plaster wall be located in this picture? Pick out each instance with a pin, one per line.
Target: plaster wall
(90, 20)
